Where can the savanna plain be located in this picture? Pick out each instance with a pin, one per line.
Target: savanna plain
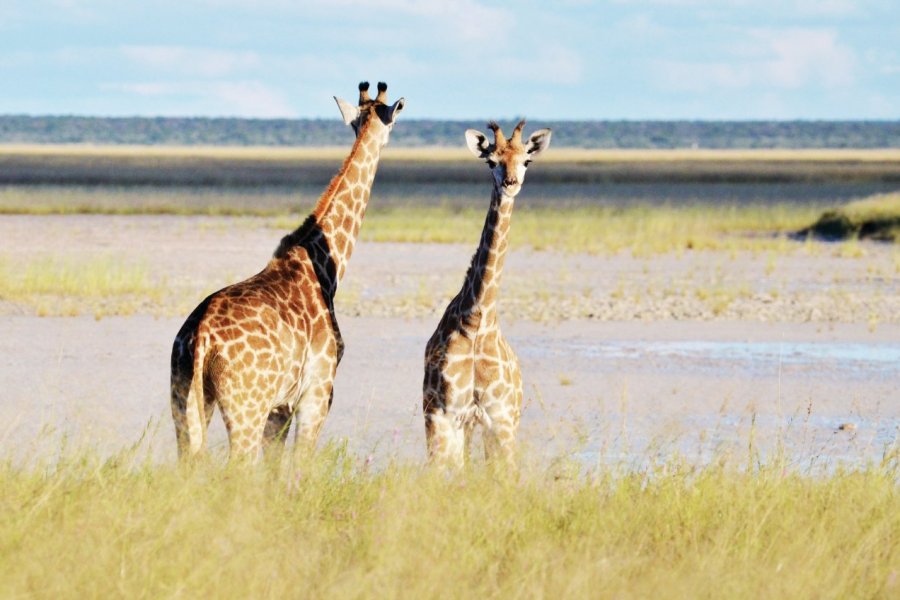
(710, 344)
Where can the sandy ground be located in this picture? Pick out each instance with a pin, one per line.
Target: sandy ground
(594, 389)
(612, 377)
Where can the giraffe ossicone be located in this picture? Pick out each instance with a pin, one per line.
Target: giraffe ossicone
(472, 375)
(265, 350)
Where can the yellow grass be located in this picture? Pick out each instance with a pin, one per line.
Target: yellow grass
(78, 526)
(96, 277)
(63, 286)
(641, 230)
(880, 206)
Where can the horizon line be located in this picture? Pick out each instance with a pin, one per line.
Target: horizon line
(459, 120)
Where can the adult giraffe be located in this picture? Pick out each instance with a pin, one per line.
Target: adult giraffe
(471, 373)
(267, 348)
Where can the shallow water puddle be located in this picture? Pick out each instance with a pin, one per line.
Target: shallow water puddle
(807, 444)
(822, 404)
(871, 360)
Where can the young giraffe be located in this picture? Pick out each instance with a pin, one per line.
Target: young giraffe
(471, 373)
(268, 347)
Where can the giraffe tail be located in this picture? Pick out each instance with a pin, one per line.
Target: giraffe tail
(195, 413)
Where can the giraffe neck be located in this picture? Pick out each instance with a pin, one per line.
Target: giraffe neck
(482, 285)
(340, 211)
(329, 233)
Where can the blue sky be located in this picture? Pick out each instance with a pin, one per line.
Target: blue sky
(455, 59)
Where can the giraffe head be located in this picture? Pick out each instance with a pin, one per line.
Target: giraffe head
(371, 111)
(508, 158)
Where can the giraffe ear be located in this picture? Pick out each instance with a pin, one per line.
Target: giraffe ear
(537, 143)
(395, 109)
(348, 111)
(478, 143)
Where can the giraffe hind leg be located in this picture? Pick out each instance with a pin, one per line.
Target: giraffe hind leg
(244, 441)
(179, 394)
(276, 431)
(179, 406)
(245, 415)
(181, 428)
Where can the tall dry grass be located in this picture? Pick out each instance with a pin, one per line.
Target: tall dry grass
(82, 526)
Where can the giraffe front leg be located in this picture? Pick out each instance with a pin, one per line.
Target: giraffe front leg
(468, 436)
(447, 397)
(447, 424)
(500, 439)
(502, 402)
(445, 438)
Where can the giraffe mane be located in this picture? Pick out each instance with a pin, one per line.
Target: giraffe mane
(296, 237)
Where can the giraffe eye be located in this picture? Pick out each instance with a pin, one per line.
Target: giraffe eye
(527, 162)
(491, 163)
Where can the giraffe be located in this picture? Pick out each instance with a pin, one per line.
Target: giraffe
(267, 348)
(472, 375)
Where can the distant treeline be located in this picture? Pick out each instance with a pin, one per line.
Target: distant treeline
(412, 133)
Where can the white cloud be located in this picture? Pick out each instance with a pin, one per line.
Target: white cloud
(466, 18)
(641, 26)
(9, 16)
(681, 76)
(204, 62)
(803, 56)
(553, 64)
(336, 65)
(881, 107)
(882, 61)
(802, 6)
(835, 8)
(782, 59)
(17, 59)
(237, 98)
(741, 10)
(143, 89)
(460, 19)
(769, 103)
(253, 98)
(74, 12)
